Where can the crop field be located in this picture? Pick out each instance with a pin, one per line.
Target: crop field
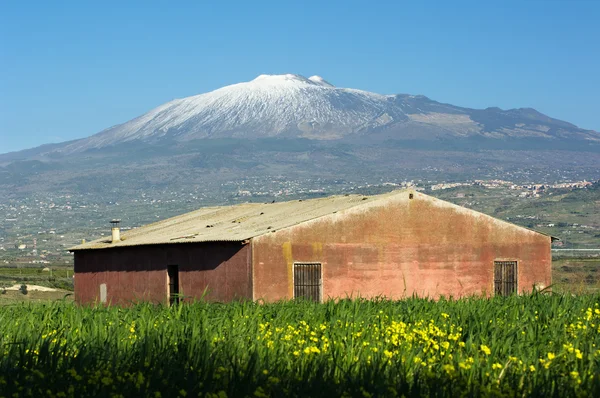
(538, 345)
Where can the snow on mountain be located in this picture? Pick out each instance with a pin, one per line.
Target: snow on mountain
(320, 81)
(295, 106)
(269, 105)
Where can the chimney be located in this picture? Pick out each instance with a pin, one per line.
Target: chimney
(116, 231)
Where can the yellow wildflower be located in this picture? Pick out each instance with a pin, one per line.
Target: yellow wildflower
(485, 349)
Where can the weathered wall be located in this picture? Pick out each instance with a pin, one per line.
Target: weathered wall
(139, 273)
(400, 247)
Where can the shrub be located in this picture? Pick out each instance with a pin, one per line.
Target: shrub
(23, 289)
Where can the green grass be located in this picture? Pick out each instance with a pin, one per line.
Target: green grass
(62, 272)
(576, 275)
(59, 278)
(539, 345)
(10, 297)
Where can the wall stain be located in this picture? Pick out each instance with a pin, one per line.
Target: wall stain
(286, 247)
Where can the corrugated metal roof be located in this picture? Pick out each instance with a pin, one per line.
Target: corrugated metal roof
(233, 223)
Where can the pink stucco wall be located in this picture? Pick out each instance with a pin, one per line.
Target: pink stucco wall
(400, 247)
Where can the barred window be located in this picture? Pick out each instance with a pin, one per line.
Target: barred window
(505, 278)
(308, 281)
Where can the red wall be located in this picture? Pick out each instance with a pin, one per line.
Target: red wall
(400, 247)
(139, 273)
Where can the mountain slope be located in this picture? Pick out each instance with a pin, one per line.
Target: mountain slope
(270, 105)
(292, 106)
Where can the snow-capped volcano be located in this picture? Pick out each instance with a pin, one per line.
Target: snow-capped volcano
(227, 133)
(293, 106)
(269, 105)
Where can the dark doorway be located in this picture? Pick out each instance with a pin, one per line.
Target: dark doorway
(173, 282)
(307, 281)
(505, 278)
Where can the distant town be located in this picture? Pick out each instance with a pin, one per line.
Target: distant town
(525, 191)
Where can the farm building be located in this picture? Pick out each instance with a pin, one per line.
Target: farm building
(395, 245)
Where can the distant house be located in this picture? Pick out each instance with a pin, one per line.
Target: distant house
(395, 245)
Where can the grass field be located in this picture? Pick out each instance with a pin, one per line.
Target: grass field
(56, 272)
(576, 275)
(8, 297)
(539, 345)
(59, 277)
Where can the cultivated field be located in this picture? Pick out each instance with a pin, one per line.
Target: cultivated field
(541, 345)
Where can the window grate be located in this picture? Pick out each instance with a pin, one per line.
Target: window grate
(505, 278)
(308, 281)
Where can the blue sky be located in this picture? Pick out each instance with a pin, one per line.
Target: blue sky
(71, 69)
